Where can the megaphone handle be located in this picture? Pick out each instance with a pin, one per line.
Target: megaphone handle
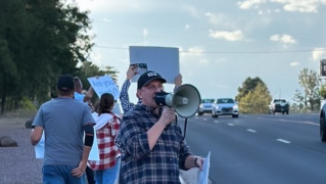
(184, 130)
(160, 110)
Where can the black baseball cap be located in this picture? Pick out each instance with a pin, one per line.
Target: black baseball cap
(66, 83)
(148, 77)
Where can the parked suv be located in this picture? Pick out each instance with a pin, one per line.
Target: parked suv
(279, 106)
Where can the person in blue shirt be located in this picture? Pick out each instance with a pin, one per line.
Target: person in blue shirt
(78, 95)
(79, 91)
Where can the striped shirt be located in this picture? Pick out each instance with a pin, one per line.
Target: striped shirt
(140, 164)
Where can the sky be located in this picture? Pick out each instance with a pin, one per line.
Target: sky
(221, 43)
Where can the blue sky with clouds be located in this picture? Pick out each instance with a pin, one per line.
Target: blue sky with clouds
(228, 40)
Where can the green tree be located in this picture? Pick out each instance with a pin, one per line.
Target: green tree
(248, 85)
(87, 69)
(112, 72)
(310, 97)
(256, 101)
(322, 91)
(297, 108)
(38, 42)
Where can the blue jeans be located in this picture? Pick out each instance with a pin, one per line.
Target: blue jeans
(60, 174)
(108, 176)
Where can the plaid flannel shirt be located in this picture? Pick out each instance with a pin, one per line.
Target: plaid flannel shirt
(108, 151)
(124, 97)
(140, 164)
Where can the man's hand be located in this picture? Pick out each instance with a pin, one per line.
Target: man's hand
(79, 171)
(178, 80)
(36, 135)
(168, 115)
(200, 162)
(131, 72)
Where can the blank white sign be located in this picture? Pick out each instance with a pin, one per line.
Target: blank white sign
(163, 60)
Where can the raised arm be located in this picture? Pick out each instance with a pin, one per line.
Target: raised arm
(124, 97)
(177, 82)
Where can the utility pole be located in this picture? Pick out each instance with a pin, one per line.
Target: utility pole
(280, 93)
(322, 74)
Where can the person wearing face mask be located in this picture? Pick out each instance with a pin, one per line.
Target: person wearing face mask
(152, 145)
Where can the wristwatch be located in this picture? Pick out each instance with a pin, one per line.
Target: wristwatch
(195, 162)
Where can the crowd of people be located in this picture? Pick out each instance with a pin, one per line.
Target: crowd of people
(144, 145)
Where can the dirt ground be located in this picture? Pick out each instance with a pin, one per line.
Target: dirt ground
(18, 165)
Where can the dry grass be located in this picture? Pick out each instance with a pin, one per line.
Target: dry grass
(18, 164)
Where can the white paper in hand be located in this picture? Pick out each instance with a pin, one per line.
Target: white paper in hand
(203, 175)
(39, 148)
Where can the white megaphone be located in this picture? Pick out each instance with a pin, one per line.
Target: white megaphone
(185, 100)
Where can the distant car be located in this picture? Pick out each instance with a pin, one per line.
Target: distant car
(205, 106)
(225, 106)
(279, 106)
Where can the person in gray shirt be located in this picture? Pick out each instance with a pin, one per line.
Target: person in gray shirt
(68, 127)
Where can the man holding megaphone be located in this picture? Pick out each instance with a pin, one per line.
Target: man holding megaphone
(124, 97)
(152, 145)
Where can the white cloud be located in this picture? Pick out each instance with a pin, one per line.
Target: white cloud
(221, 20)
(187, 26)
(277, 10)
(250, 3)
(145, 32)
(197, 50)
(229, 36)
(285, 38)
(106, 20)
(308, 6)
(96, 59)
(261, 12)
(192, 11)
(318, 53)
(192, 51)
(194, 54)
(109, 6)
(294, 64)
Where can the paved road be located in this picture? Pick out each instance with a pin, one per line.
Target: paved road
(260, 148)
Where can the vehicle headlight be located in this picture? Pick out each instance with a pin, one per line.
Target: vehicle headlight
(201, 106)
(216, 107)
(235, 107)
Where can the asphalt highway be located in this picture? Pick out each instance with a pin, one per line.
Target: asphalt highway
(269, 149)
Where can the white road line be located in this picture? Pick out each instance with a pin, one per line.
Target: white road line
(284, 141)
(251, 130)
(205, 119)
(215, 121)
(230, 124)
